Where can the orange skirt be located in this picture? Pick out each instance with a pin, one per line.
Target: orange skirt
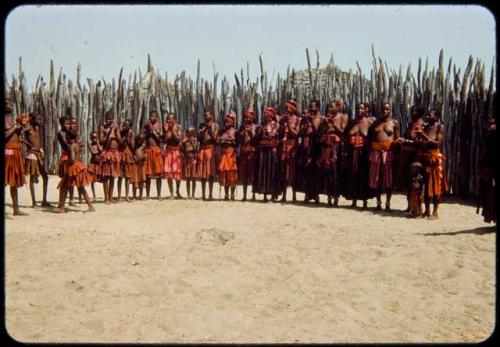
(189, 167)
(76, 176)
(173, 163)
(139, 174)
(95, 171)
(206, 162)
(433, 162)
(110, 163)
(154, 161)
(127, 163)
(79, 174)
(14, 165)
(381, 146)
(63, 164)
(228, 169)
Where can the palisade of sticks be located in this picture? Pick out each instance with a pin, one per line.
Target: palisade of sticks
(465, 101)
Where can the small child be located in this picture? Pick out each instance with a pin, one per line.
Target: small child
(93, 168)
(416, 190)
(189, 151)
(138, 178)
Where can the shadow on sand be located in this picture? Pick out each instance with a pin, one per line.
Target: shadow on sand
(478, 231)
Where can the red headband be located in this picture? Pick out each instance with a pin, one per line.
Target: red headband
(250, 112)
(270, 110)
(230, 118)
(292, 103)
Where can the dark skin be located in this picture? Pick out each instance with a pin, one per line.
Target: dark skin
(246, 137)
(127, 141)
(384, 130)
(12, 133)
(75, 155)
(189, 146)
(312, 129)
(208, 133)
(172, 134)
(152, 131)
(110, 137)
(289, 129)
(268, 131)
(410, 141)
(335, 124)
(139, 157)
(61, 139)
(95, 149)
(75, 128)
(431, 137)
(35, 145)
(361, 128)
(228, 138)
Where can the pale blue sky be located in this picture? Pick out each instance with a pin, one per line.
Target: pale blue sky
(105, 38)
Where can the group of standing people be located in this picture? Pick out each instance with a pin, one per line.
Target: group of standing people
(311, 153)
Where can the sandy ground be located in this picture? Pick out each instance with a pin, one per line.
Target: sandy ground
(194, 271)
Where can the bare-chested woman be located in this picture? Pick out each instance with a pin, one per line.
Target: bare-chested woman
(429, 154)
(228, 169)
(14, 165)
(247, 154)
(154, 154)
(208, 133)
(288, 135)
(267, 160)
(332, 134)
(127, 165)
(172, 135)
(383, 132)
(356, 172)
(110, 138)
(313, 174)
